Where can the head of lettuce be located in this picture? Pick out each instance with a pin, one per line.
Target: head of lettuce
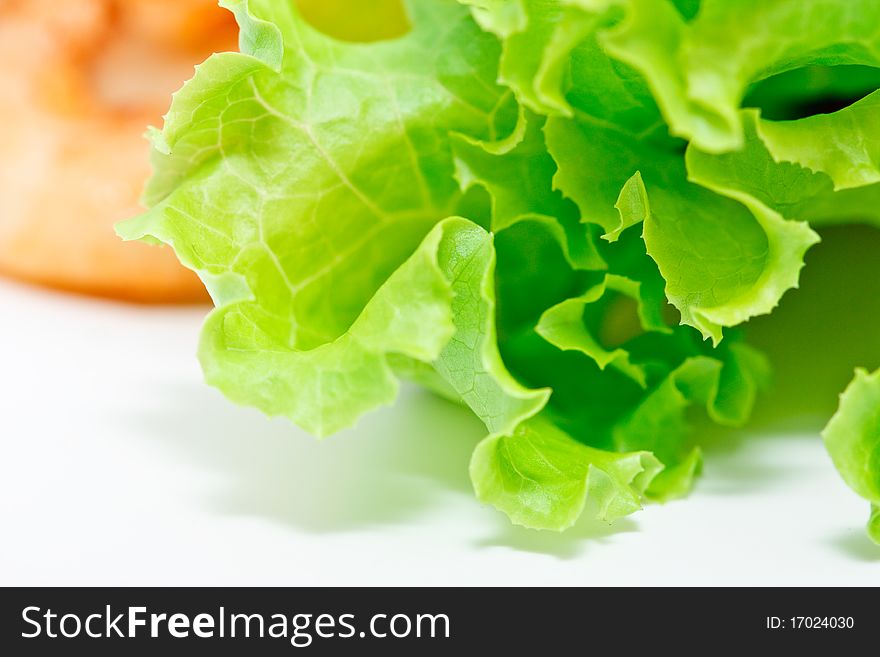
(553, 212)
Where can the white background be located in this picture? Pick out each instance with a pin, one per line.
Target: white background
(120, 467)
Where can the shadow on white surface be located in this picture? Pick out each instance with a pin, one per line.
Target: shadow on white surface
(566, 545)
(734, 464)
(855, 544)
(392, 468)
(395, 467)
(122, 456)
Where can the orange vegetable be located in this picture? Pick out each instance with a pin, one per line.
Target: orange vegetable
(81, 79)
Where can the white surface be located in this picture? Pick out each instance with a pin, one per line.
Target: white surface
(119, 467)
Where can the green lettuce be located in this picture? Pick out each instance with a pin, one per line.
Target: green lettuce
(853, 440)
(553, 212)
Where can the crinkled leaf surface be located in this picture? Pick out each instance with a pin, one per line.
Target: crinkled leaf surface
(725, 256)
(700, 70)
(268, 184)
(542, 478)
(574, 323)
(792, 190)
(853, 440)
(844, 145)
(519, 180)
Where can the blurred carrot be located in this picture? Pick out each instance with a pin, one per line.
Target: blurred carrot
(82, 79)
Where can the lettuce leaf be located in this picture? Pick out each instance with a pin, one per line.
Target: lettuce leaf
(255, 160)
(555, 213)
(853, 440)
(725, 256)
(701, 70)
(794, 191)
(542, 478)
